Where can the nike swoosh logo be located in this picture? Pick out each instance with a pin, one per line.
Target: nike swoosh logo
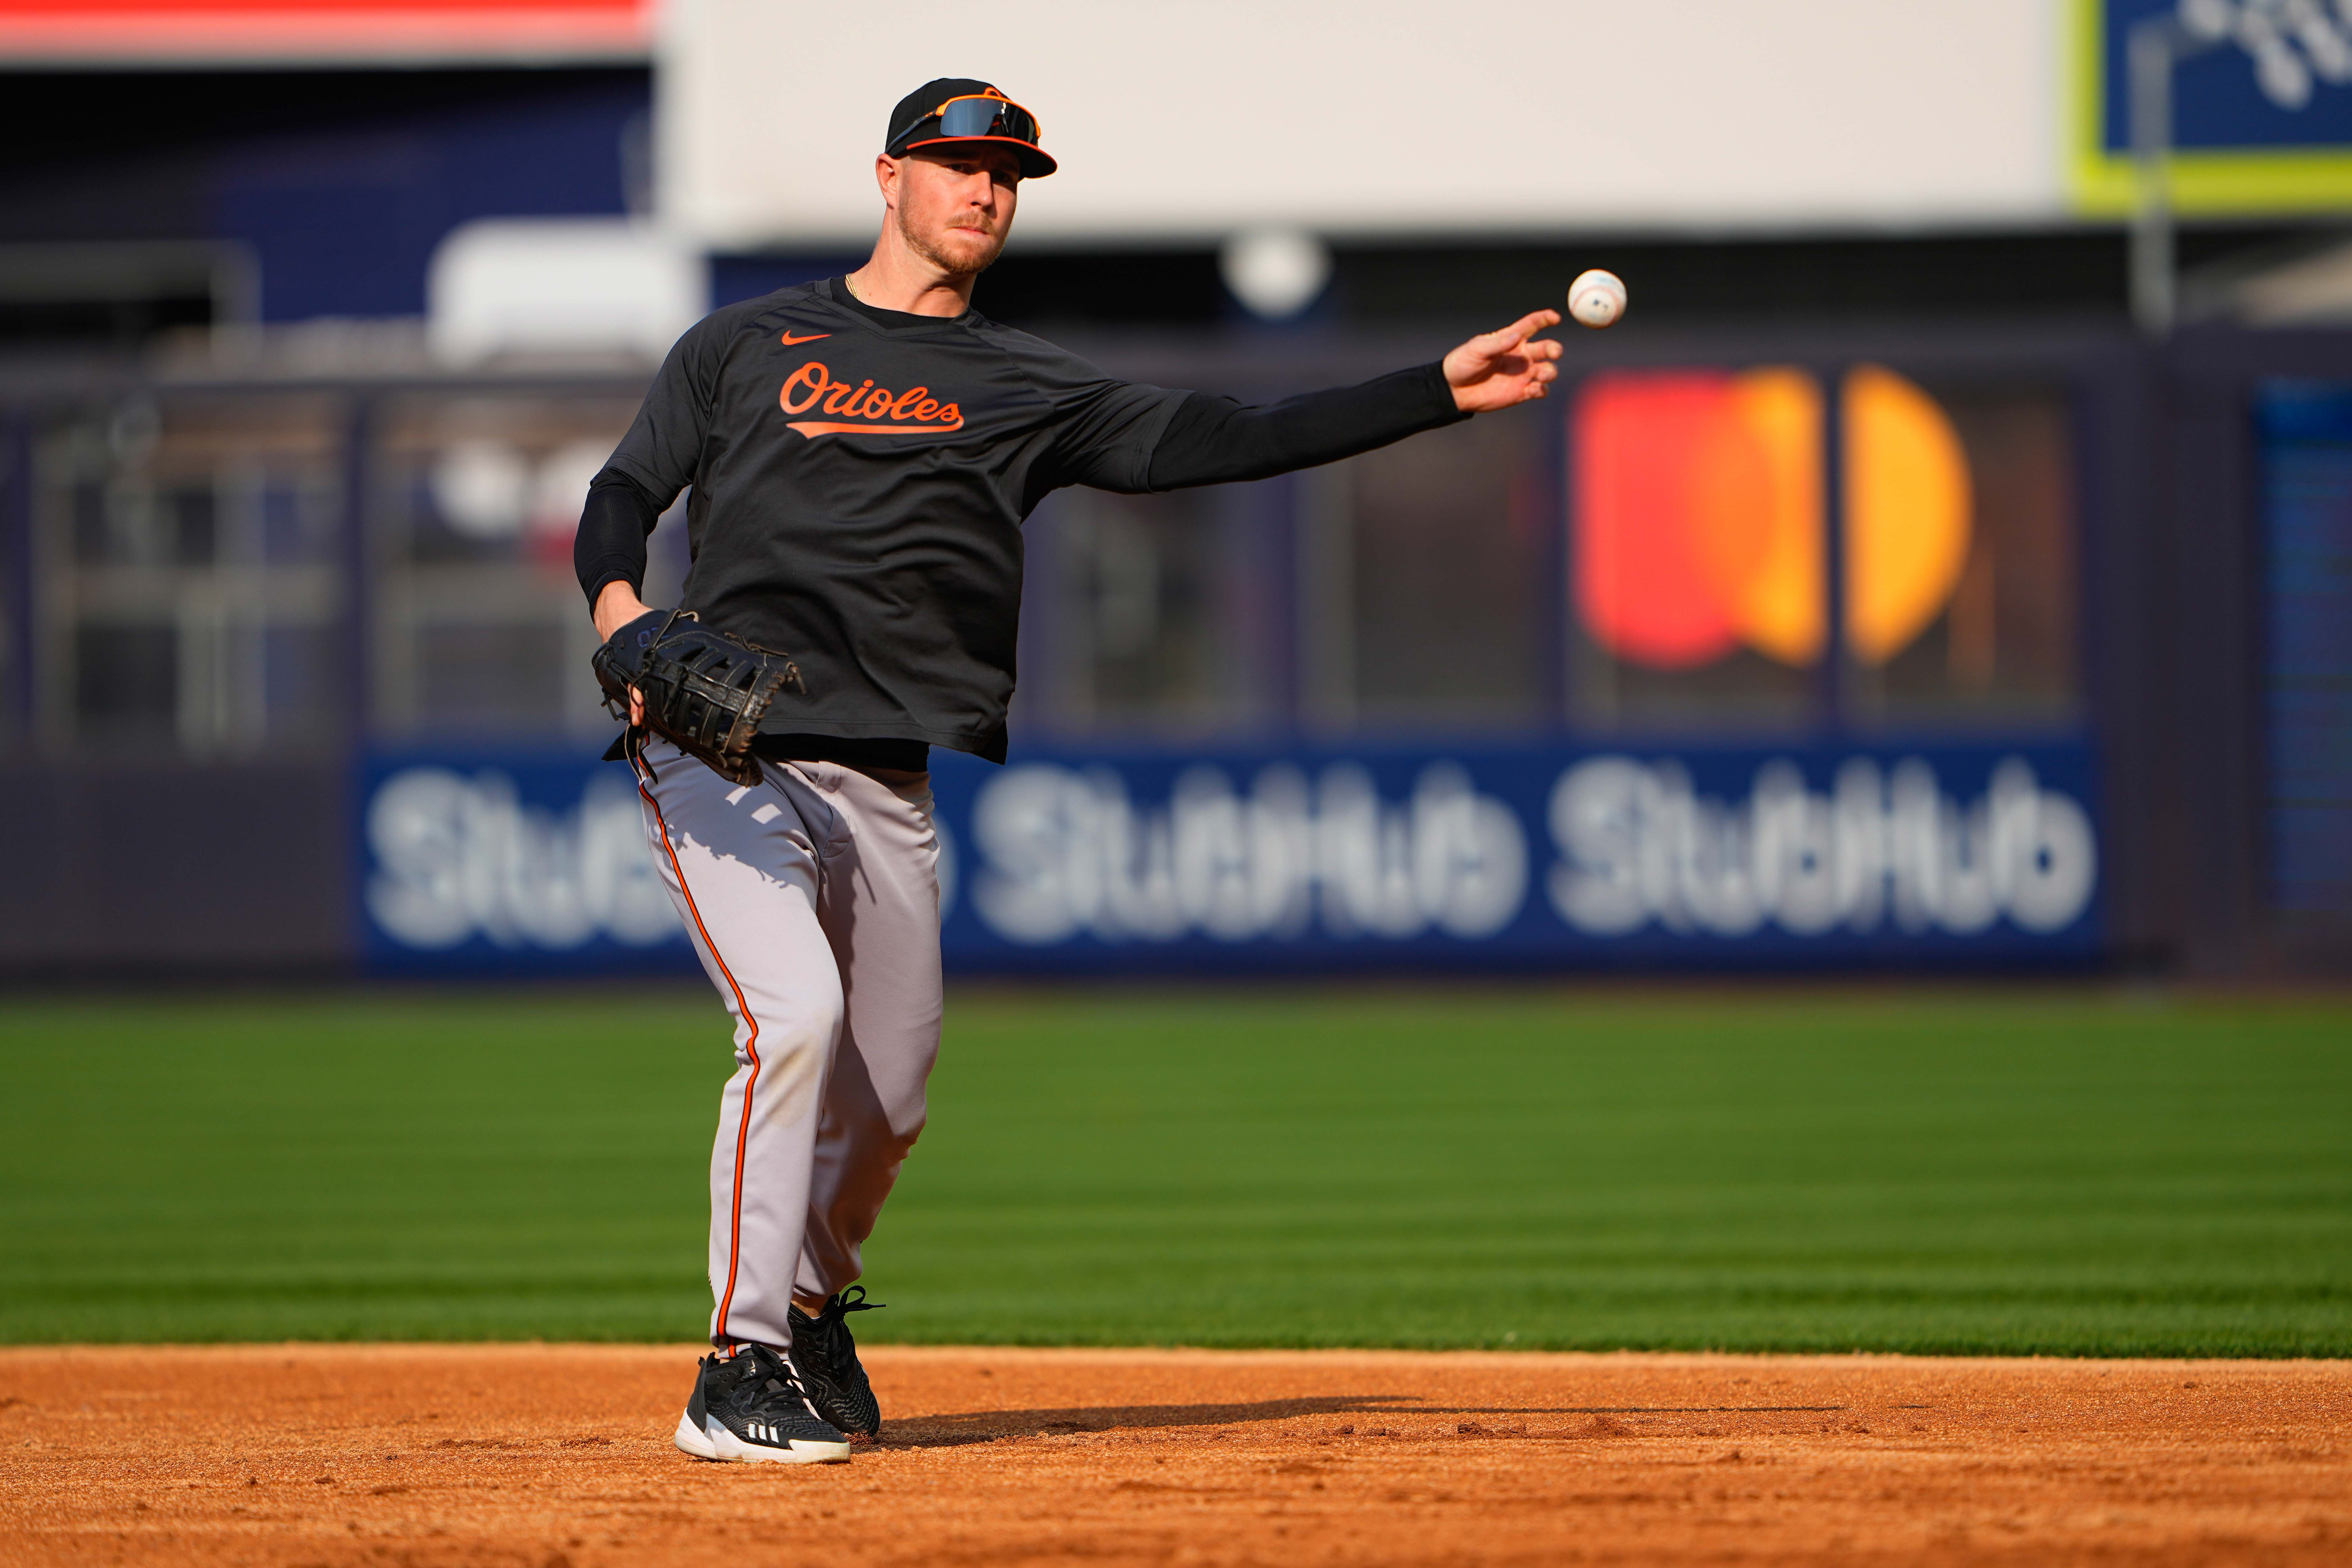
(791, 341)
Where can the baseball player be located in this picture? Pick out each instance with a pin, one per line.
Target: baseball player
(861, 452)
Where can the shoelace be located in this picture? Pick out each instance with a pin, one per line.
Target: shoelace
(772, 1375)
(847, 1302)
(829, 1324)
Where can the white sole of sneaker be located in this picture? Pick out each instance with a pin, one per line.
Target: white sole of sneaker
(713, 1441)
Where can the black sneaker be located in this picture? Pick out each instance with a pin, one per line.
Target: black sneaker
(836, 1384)
(750, 1408)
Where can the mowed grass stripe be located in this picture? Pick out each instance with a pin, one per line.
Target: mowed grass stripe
(2031, 1171)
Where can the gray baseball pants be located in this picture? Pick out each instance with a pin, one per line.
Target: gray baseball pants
(814, 901)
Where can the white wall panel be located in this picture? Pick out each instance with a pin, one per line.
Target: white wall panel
(1385, 116)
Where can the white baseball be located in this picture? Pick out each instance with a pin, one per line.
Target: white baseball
(1596, 297)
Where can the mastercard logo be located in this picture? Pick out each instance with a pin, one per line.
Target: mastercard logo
(1699, 514)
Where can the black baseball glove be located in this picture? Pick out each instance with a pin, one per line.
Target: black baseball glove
(703, 690)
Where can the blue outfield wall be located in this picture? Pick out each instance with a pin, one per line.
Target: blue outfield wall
(2306, 428)
(1479, 858)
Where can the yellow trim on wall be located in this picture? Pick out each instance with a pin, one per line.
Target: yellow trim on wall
(2267, 181)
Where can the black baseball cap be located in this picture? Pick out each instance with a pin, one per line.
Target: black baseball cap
(958, 109)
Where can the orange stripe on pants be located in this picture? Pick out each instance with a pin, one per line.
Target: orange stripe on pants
(750, 1049)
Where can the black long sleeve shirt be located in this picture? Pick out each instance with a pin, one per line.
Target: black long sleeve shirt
(859, 479)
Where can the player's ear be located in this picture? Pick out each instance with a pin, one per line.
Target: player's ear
(885, 176)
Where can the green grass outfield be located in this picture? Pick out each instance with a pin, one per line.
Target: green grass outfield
(2069, 1172)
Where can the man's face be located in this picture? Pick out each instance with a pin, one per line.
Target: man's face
(953, 203)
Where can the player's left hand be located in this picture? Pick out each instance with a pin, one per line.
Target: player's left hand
(616, 606)
(1504, 369)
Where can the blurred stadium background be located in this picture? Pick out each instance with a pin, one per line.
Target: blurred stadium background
(1876, 594)
(1900, 590)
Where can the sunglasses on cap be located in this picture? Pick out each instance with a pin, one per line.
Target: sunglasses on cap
(973, 119)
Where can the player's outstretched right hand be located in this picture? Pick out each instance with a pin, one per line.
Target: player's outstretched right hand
(1504, 369)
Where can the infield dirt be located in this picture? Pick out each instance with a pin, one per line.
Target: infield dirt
(559, 1457)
